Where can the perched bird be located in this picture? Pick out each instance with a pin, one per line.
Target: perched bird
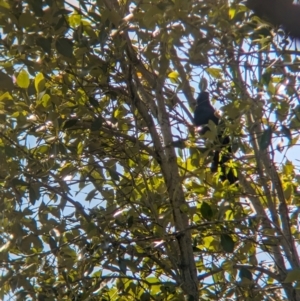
(203, 113)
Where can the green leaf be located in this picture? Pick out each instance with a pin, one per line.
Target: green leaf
(75, 20)
(145, 297)
(39, 82)
(80, 148)
(266, 77)
(94, 102)
(184, 208)
(282, 110)
(26, 20)
(265, 139)
(60, 23)
(122, 265)
(36, 7)
(130, 220)
(45, 100)
(52, 243)
(227, 243)
(65, 47)
(214, 72)
(206, 211)
(114, 175)
(293, 275)
(69, 123)
(232, 13)
(23, 79)
(286, 132)
(6, 81)
(61, 12)
(96, 124)
(245, 273)
(44, 43)
(173, 76)
(91, 195)
(34, 193)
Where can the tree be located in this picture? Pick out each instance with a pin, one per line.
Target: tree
(106, 191)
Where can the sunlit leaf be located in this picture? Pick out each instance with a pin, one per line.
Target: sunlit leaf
(232, 12)
(39, 82)
(23, 79)
(214, 72)
(173, 76)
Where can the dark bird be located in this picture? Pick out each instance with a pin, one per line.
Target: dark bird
(203, 113)
(280, 13)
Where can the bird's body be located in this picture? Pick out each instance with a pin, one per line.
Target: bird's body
(205, 112)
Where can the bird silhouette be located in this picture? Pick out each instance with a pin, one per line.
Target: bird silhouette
(203, 113)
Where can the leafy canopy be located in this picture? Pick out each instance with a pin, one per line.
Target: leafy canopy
(106, 191)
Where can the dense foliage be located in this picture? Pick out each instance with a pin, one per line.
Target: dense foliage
(106, 191)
